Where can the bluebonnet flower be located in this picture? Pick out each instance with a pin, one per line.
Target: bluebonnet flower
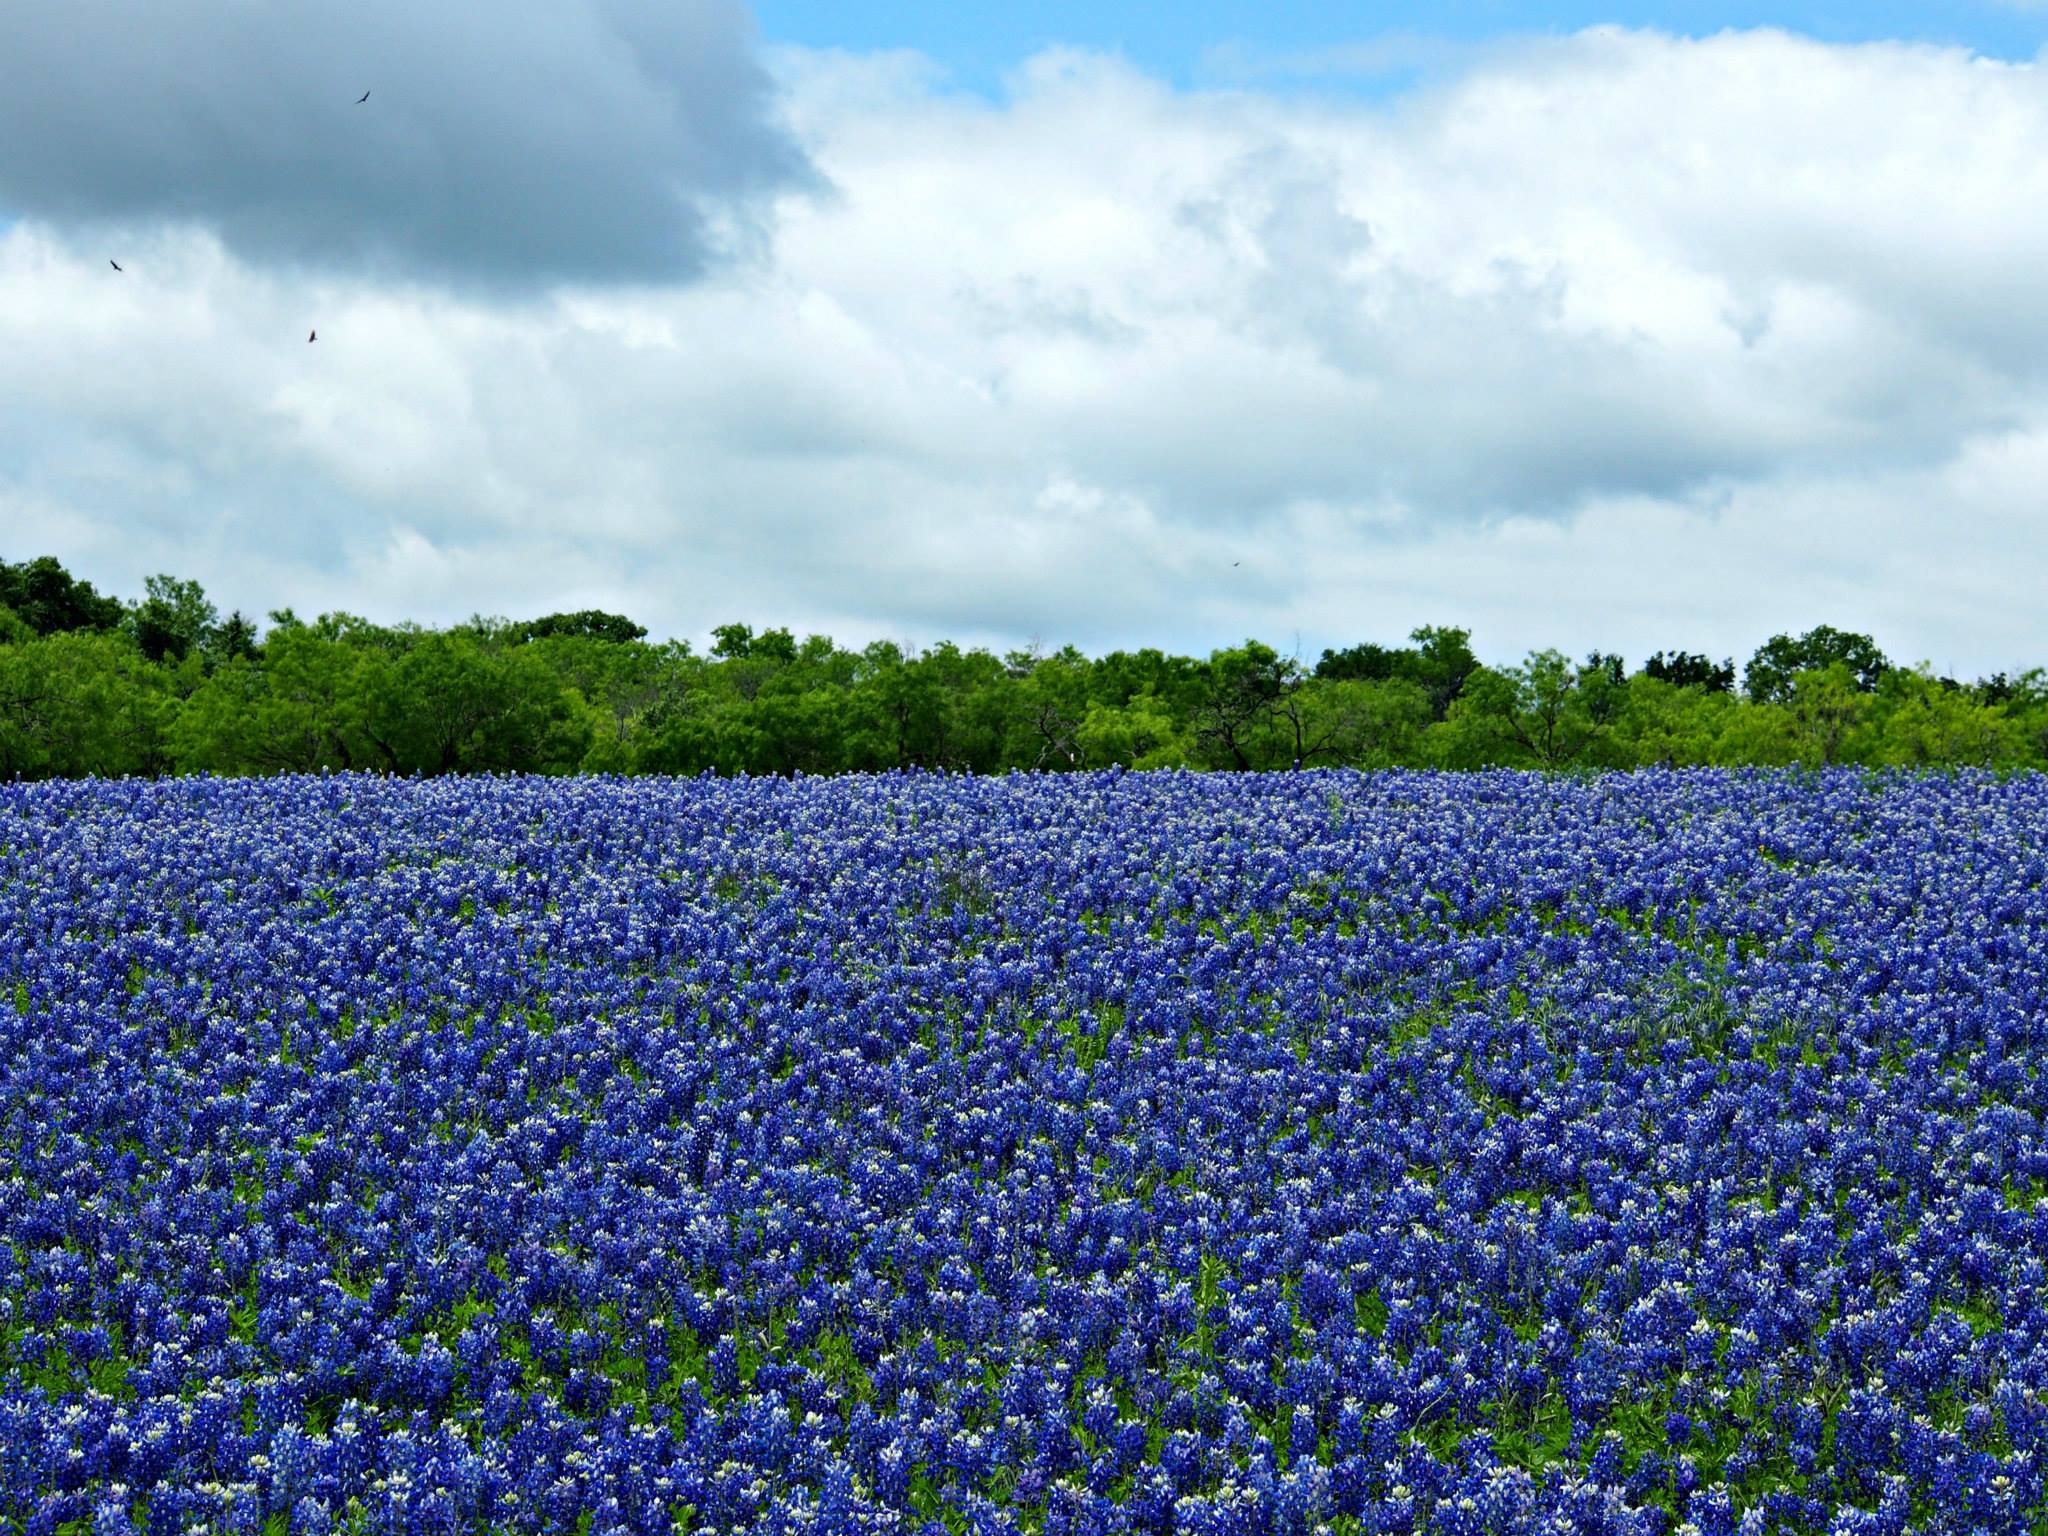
(1224, 1154)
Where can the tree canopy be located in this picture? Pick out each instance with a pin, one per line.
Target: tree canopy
(163, 684)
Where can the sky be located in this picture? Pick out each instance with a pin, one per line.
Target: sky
(1214, 42)
(1671, 326)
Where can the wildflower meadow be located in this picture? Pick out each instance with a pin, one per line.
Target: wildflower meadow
(1145, 1152)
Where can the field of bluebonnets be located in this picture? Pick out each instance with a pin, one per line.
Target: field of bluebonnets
(1282, 1153)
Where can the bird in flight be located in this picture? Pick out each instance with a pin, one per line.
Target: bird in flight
(310, 335)
(113, 263)
(362, 98)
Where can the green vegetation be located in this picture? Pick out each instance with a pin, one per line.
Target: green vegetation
(93, 685)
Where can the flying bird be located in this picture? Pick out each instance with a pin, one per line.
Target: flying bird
(362, 98)
(113, 263)
(311, 334)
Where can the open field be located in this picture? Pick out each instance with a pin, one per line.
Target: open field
(1153, 1153)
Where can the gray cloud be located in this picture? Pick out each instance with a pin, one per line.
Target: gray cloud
(1627, 341)
(514, 143)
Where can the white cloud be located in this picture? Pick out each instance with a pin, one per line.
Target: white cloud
(1622, 340)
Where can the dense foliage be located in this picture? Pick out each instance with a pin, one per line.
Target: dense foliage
(89, 685)
(1089, 1153)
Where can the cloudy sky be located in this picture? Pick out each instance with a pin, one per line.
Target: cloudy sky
(1661, 325)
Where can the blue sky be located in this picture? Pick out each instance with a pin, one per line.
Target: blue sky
(978, 43)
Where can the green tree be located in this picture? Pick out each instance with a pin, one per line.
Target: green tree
(797, 729)
(450, 704)
(893, 712)
(233, 639)
(1439, 660)
(1768, 678)
(1177, 683)
(1366, 663)
(1687, 669)
(174, 621)
(974, 691)
(1444, 660)
(777, 645)
(298, 708)
(1827, 709)
(76, 703)
(87, 685)
(1602, 686)
(619, 684)
(1921, 722)
(585, 624)
(2025, 702)
(51, 601)
(1662, 724)
(1139, 733)
(1358, 723)
(1050, 706)
(1756, 735)
(1244, 721)
(732, 640)
(942, 708)
(1542, 714)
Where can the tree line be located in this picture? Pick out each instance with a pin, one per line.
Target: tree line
(92, 684)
